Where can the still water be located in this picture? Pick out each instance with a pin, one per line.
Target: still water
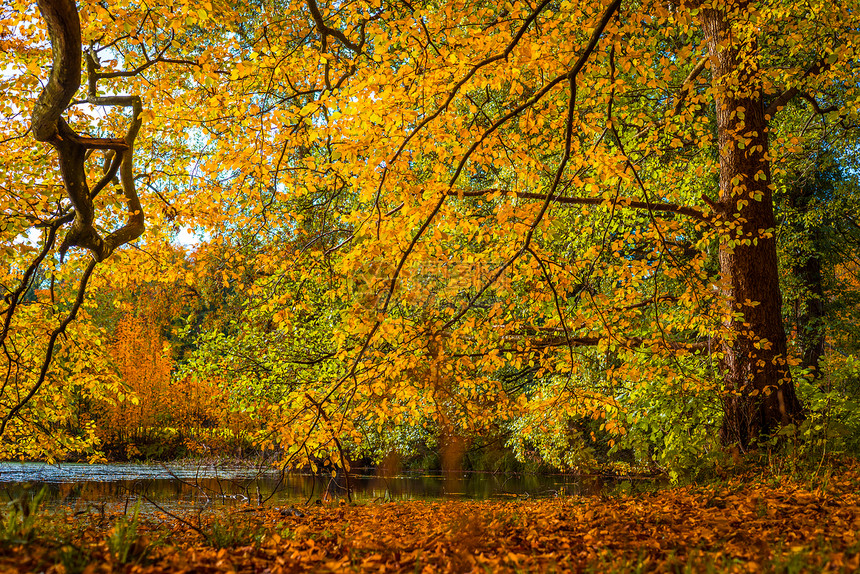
(204, 485)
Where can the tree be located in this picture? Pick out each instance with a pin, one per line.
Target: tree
(54, 197)
(48, 125)
(752, 78)
(755, 354)
(487, 200)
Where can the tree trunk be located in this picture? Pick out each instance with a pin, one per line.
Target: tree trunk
(809, 311)
(809, 304)
(759, 392)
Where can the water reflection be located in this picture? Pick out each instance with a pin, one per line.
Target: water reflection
(198, 486)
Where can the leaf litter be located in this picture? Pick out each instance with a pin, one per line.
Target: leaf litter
(772, 525)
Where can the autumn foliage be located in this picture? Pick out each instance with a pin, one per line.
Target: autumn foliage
(159, 412)
(769, 525)
(588, 231)
(145, 366)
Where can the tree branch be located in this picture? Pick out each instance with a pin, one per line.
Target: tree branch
(620, 202)
(781, 100)
(73, 150)
(49, 353)
(815, 106)
(325, 31)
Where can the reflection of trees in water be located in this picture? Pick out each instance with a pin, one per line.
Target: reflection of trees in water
(298, 489)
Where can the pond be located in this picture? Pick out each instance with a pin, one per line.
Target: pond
(189, 485)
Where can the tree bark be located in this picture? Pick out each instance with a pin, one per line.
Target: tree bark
(48, 125)
(759, 391)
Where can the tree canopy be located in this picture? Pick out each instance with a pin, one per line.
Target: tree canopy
(557, 222)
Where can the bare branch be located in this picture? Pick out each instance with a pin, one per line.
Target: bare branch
(14, 297)
(687, 85)
(64, 29)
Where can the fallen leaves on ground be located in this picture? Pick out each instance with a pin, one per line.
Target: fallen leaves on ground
(735, 527)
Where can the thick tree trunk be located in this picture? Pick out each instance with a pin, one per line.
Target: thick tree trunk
(760, 393)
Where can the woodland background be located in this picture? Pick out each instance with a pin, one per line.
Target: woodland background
(543, 235)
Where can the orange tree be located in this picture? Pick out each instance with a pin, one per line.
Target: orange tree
(477, 215)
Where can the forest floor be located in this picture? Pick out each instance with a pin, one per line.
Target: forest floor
(772, 524)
